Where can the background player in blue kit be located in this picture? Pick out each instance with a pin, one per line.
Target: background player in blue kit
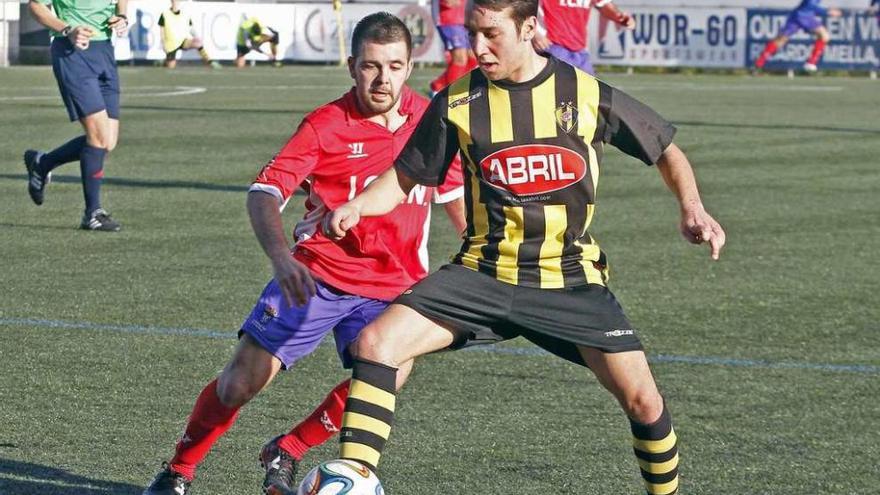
(806, 17)
(85, 68)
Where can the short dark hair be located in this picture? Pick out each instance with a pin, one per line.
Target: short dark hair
(520, 9)
(382, 28)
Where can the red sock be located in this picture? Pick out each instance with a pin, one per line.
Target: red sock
(768, 52)
(209, 420)
(818, 48)
(455, 71)
(439, 83)
(322, 424)
(472, 61)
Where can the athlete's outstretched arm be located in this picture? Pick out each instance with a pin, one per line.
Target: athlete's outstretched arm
(697, 225)
(379, 198)
(293, 277)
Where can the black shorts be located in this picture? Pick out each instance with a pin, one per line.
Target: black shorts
(479, 309)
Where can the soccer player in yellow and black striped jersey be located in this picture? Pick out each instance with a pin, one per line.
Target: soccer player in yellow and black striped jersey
(177, 35)
(531, 130)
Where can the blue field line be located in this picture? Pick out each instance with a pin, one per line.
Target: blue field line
(515, 351)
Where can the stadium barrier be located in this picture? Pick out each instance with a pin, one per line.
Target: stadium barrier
(731, 37)
(670, 33)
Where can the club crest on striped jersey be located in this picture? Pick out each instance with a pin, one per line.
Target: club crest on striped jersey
(531, 169)
(566, 117)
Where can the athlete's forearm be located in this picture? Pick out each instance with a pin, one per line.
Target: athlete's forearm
(122, 7)
(383, 194)
(44, 15)
(267, 224)
(610, 11)
(678, 174)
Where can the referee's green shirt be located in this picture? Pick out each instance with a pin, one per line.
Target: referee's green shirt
(91, 13)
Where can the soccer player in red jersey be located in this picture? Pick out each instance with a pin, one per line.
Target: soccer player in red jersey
(449, 16)
(324, 285)
(565, 28)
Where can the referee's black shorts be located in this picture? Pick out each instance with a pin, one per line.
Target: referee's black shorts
(479, 309)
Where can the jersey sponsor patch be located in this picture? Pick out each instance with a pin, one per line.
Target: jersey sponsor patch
(527, 170)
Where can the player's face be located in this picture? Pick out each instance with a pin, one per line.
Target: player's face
(499, 46)
(379, 73)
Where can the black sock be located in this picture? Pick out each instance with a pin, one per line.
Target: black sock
(91, 164)
(67, 152)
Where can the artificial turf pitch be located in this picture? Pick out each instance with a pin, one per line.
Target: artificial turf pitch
(769, 359)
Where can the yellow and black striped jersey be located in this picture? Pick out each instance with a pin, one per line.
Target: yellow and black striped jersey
(531, 154)
(176, 28)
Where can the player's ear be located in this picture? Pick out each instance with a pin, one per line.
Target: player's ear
(529, 28)
(409, 67)
(351, 61)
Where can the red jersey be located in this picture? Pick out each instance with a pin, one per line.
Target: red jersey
(339, 152)
(566, 21)
(449, 12)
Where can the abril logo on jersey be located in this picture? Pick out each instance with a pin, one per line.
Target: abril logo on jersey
(533, 169)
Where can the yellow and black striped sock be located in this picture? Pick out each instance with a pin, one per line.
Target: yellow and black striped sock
(369, 412)
(204, 54)
(656, 449)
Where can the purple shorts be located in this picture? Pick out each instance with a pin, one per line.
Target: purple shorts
(580, 59)
(796, 21)
(291, 333)
(454, 36)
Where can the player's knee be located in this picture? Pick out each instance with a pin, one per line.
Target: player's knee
(644, 406)
(371, 345)
(234, 391)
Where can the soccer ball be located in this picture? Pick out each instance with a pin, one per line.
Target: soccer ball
(340, 477)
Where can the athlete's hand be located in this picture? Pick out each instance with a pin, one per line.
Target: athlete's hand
(80, 36)
(627, 21)
(294, 279)
(835, 12)
(698, 226)
(119, 24)
(540, 43)
(340, 221)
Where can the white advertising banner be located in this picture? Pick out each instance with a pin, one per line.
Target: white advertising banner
(672, 37)
(307, 31)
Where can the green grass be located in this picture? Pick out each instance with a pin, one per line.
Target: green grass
(788, 167)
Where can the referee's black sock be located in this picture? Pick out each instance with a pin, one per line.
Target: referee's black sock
(656, 449)
(91, 165)
(369, 412)
(67, 152)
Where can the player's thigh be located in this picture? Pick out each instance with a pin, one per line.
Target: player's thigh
(291, 333)
(559, 320)
(192, 43)
(77, 73)
(628, 377)
(349, 327)
(471, 306)
(400, 334)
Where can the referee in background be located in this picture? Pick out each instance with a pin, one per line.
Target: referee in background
(85, 67)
